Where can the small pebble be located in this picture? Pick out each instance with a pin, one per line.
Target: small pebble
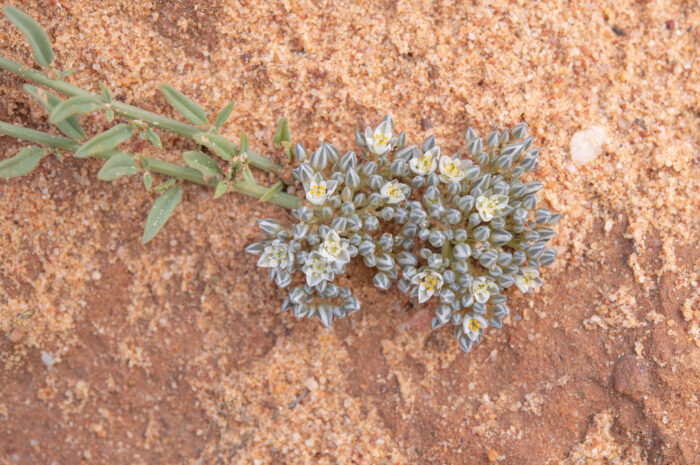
(16, 335)
(632, 377)
(47, 358)
(619, 31)
(492, 455)
(587, 144)
(311, 384)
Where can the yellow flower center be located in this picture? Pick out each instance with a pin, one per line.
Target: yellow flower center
(380, 139)
(430, 283)
(333, 248)
(452, 169)
(425, 161)
(394, 191)
(490, 206)
(318, 190)
(474, 325)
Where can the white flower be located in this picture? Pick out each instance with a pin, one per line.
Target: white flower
(482, 288)
(335, 249)
(452, 170)
(426, 163)
(428, 283)
(393, 192)
(529, 279)
(379, 140)
(473, 325)
(276, 255)
(490, 205)
(318, 190)
(317, 269)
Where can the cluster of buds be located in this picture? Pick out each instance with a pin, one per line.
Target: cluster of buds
(439, 227)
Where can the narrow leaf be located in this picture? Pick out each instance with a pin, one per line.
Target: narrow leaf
(218, 144)
(43, 53)
(245, 143)
(202, 163)
(105, 141)
(110, 115)
(147, 180)
(223, 115)
(153, 138)
(161, 211)
(66, 73)
(248, 176)
(120, 164)
(185, 106)
(70, 126)
(73, 106)
(271, 192)
(221, 189)
(22, 163)
(282, 133)
(106, 93)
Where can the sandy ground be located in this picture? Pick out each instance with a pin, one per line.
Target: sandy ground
(176, 352)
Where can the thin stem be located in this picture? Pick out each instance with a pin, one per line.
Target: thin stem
(153, 164)
(128, 111)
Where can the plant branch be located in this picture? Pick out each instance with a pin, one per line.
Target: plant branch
(152, 164)
(129, 111)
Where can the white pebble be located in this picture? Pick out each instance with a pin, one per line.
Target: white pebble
(311, 384)
(587, 144)
(47, 358)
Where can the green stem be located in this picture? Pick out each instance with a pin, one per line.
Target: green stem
(153, 164)
(129, 111)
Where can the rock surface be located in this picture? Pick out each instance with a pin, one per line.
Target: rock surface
(178, 353)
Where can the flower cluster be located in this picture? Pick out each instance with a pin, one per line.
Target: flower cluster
(459, 231)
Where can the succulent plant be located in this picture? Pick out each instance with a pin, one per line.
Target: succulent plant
(463, 230)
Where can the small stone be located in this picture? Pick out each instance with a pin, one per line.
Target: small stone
(492, 455)
(587, 144)
(426, 123)
(16, 335)
(619, 31)
(311, 384)
(631, 377)
(47, 358)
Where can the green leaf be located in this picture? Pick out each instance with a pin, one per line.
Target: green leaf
(221, 189)
(271, 192)
(120, 164)
(282, 132)
(73, 106)
(248, 176)
(106, 94)
(223, 115)
(165, 185)
(105, 141)
(110, 115)
(218, 144)
(185, 106)
(147, 180)
(43, 53)
(161, 211)
(153, 138)
(245, 143)
(22, 163)
(69, 126)
(202, 163)
(66, 73)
